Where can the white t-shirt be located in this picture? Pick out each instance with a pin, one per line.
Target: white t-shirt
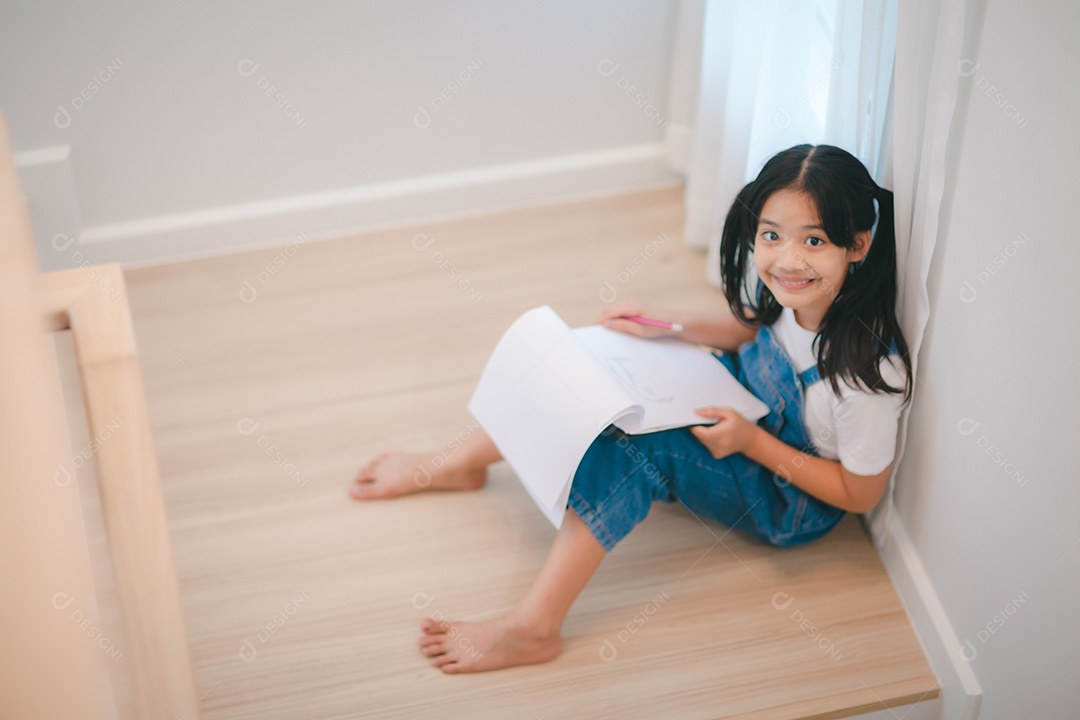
(858, 427)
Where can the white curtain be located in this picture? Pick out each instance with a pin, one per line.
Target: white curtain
(935, 42)
(773, 74)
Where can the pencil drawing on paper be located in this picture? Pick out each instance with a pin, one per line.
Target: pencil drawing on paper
(623, 370)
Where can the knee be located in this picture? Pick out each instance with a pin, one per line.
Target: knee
(633, 459)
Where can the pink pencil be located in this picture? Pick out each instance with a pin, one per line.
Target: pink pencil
(655, 323)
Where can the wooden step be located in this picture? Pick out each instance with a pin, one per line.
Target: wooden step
(273, 375)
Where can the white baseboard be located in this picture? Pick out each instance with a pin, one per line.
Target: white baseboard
(678, 145)
(47, 176)
(376, 206)
(961, 693)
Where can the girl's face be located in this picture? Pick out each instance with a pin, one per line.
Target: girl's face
(795, 258)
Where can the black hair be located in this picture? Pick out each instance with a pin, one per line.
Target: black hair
(860, 325)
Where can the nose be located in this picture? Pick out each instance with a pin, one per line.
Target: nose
(789, 256)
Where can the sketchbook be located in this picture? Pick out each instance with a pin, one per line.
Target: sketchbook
(548, 391)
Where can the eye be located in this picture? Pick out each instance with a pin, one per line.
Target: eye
(814, 241)
(770, 236)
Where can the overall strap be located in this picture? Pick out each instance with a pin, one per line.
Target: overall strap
(772, 376)
(809, 376)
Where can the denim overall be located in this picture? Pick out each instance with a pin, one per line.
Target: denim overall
(621, 475)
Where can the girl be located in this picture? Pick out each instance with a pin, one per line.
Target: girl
(817, 341)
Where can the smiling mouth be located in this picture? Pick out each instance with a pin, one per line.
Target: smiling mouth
(794, 284)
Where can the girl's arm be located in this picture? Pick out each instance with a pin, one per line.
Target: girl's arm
(827, 480)
(721, 329)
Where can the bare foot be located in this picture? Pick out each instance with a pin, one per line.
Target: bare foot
(392, 474)
(458, 647)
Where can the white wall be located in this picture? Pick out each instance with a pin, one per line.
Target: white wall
(377, 110)
(989, 489)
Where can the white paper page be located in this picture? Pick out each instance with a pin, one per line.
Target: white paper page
(557, 511)
(543, 399)
(668, 378)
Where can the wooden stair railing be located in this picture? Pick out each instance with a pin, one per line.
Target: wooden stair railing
(49, 666)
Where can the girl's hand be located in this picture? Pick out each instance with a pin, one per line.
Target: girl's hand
(732, 433)
(613, 317)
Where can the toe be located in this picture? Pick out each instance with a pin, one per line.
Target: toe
(362, 490)
(434, 649)
(371, 490)
(367, 472)
(440, 661)
(431, 626)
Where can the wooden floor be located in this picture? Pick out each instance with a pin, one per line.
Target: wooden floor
(271, 377)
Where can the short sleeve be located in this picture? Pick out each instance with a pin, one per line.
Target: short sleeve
(867, 424)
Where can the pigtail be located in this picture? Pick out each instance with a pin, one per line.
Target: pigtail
(736, 248)
(860, 328)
